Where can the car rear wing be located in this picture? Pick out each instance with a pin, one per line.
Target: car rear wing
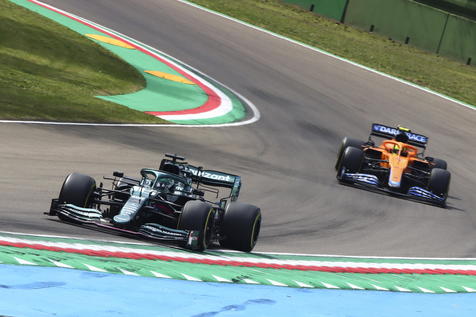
(216, 178)
(387, 132)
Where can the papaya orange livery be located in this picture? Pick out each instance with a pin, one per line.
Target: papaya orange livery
(395, 166)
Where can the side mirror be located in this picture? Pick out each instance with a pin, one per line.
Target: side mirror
(118, 174)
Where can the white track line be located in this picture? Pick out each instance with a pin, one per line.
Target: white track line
(459, 102)
(232, 251)
(359, 256)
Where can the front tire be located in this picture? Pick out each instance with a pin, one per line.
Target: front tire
(198, 215)
(439, 182)
(351, 161)
(77, 190)
(241, 226)
(346, 142)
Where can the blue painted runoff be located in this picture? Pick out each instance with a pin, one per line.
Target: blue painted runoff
(42, 291)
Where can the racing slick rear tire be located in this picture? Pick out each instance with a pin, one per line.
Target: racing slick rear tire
(439, 182)
(198, 215)
(439, 163)
(77, 190)
(351, 161)
(346, 142)
(241, 226)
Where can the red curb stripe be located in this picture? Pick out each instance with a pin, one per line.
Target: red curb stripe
(330, 269)
(213, 100)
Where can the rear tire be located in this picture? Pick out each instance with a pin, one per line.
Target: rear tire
(346, 142)
(241, 226)
(439, 182)
(198, 215)
(77, 190)
(440, 164)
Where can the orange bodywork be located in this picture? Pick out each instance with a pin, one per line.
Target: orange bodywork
(397, 156)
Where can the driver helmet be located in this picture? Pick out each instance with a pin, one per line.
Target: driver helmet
(166, 184)
(170, 185)
(396, 148)
(401, 137)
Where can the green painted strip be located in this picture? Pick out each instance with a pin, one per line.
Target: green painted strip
(160, 94)
(239, 108)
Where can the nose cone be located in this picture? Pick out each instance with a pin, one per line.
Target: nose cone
(132, 206)
(397, 167)
(394, 180)
(122, 219)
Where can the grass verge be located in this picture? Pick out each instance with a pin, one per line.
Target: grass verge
(437, 73)
(48, 72)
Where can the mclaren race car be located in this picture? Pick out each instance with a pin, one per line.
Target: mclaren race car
(396, 166)
(164, 204)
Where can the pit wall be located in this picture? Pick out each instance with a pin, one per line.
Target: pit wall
(405, 21)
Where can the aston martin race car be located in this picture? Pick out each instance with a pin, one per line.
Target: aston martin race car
(165, 204)
(396, 166)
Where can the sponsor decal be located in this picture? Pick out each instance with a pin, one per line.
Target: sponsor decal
(210, 175)
(225, 178)
(392, 131)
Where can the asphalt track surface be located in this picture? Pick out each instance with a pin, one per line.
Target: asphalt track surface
(308, 102)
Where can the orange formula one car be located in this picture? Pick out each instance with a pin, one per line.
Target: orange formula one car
(395, 166)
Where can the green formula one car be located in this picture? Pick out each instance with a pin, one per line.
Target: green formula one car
(164, 204)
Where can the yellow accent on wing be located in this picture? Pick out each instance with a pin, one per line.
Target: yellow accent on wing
(109, 40)
(403, 129)
(171, 77)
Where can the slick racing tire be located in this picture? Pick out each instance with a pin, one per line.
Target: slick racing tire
(198, 215)
(439, 182)
(241, 226)
(345, 143)
(77, 190)
(351, 160)
(440, 164)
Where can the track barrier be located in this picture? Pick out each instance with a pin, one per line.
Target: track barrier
(409, 22)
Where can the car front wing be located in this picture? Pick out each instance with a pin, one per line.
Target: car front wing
(94, 217)
(371, 182)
